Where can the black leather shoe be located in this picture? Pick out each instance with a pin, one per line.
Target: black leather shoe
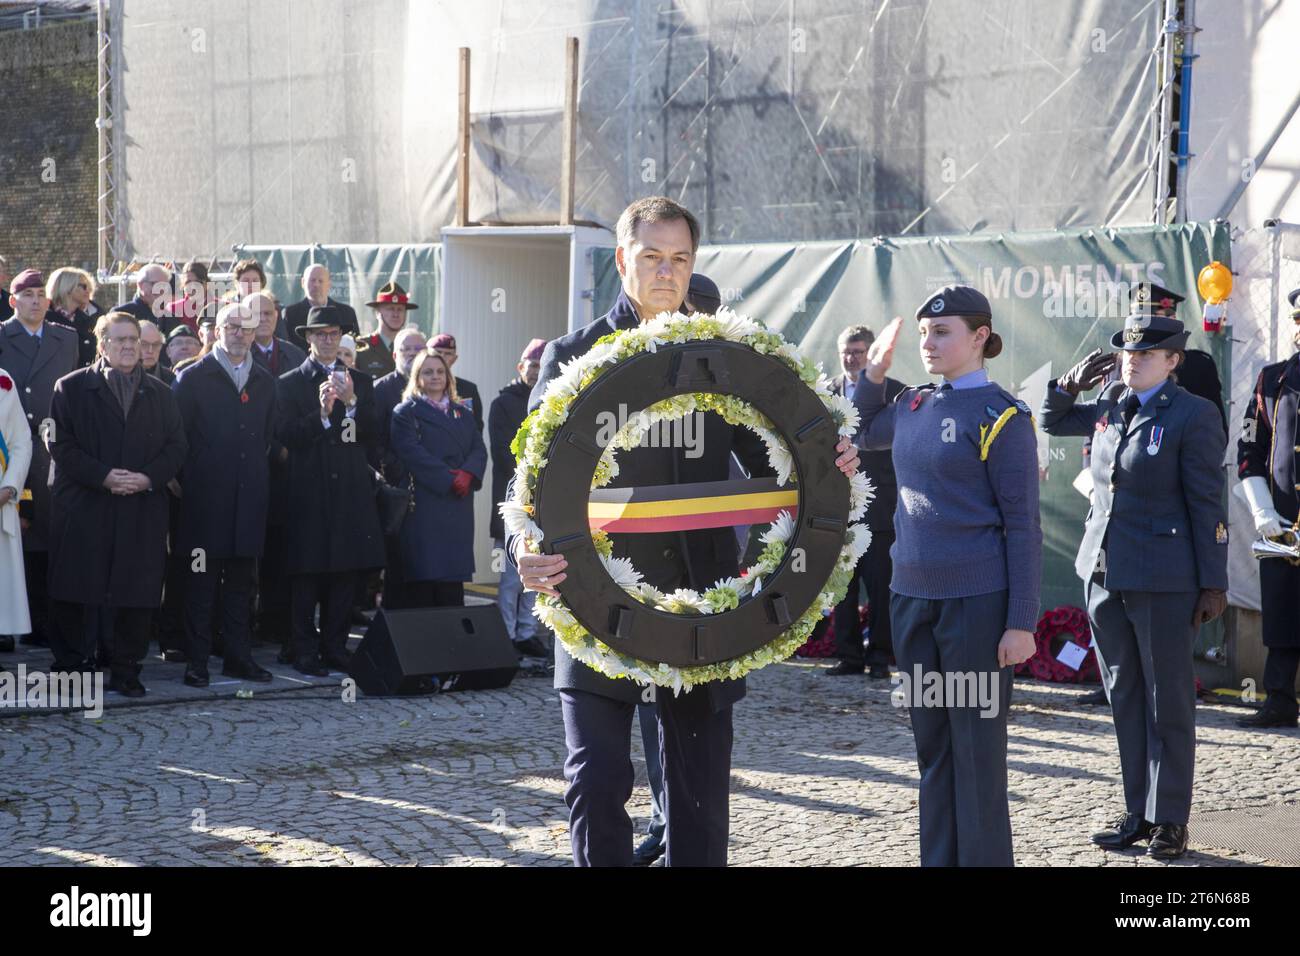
(175, 656)
(878, 672)
(194, 677)
(1123, 833)
(34, 640)
(311, 668)
(285, 656)
(127, 686)
(1095, 699)
(843, 668)
(647, 851)
(1268, 717)
(247, 670)
(339, 662)
(7, 643)
(532, 647)
(1168, 841)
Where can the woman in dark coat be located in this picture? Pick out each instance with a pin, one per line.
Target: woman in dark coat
(438, 442)
(117, 440)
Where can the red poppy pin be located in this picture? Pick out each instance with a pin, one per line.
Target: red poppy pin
(916, 402)
(243, 397)
(6, 383)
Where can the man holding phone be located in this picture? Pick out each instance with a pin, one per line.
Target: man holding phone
(327, 422)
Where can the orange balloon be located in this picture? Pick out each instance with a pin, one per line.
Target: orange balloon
(1214, 283)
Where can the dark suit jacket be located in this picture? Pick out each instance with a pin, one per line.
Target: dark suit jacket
(1157, 489)
(225, 482)
(678, 559)
(284, 357)
(332, 518)
(878, 466)
(467, 392)
(35, 367)
(296, 315)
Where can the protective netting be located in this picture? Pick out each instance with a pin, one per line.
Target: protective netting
(288, 122)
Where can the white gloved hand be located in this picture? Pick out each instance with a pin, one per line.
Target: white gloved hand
(1267, 521)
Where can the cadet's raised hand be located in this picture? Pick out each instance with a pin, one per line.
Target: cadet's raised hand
(1089, 373)
(881, 354)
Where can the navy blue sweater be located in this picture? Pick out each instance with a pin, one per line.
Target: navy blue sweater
(963, 526)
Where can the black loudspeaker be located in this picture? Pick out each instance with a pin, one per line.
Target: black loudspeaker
(423, 650)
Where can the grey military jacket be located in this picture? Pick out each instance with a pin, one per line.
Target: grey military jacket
(1158, 520)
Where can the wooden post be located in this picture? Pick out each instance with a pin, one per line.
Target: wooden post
(570, 145)
(462, 156)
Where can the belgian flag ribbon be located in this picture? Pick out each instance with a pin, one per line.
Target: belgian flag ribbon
(689, 507)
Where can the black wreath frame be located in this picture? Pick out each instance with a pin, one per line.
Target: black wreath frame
(800, 417)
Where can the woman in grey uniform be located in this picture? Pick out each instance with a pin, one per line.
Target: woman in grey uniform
(1153, 559)
(966, 561)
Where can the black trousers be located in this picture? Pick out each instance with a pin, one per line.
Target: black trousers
(73, 642)
(36, 570)
(225, 587)
(334, 592)
(1279, 587)
(695, 751)
(171, 617)
(273, 588)
(874, 570)
(433, 594)
(395, 597)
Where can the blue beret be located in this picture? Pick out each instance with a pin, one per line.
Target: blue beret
(955, 300)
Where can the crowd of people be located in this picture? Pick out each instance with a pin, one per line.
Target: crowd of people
(210, 471)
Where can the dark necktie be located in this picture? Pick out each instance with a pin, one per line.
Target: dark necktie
(1131, 406)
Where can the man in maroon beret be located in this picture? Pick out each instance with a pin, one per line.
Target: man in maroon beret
(36, 354)
(445, 346)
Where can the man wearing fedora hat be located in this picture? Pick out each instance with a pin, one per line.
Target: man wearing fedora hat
(326, 420)
(1154, 557)
(1268, 464)
(316, 289)
(375, 352)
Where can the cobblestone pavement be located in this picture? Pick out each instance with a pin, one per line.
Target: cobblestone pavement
(824, 773)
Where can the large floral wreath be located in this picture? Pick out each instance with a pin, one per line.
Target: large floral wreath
(534, 438)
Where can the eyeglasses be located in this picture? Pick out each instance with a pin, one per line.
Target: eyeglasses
(328, 336)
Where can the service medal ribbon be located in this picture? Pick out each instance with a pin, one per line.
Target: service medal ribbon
(1157, 435)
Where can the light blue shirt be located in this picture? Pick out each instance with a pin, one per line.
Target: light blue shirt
(974, 379)
(1144, 397)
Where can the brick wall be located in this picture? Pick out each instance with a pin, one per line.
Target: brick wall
(47, 132)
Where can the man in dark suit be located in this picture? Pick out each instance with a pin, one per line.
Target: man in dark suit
(326, 421)
(316, 286)
(445, 345)
(657, 242)
(227, 402)
(277, 356)
(153, 286)
(874, 569)
(36, 354)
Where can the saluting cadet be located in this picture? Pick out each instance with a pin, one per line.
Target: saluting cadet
(1153, 558)
(966, 561)
(1268, 463)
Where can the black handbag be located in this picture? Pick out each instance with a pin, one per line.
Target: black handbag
(394, 504)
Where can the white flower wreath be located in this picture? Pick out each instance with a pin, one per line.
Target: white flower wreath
(539, 428)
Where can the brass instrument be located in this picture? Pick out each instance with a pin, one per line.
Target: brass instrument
(1285, 545)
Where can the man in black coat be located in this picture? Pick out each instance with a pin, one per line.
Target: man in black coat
(36, 353)
(316, 286)
(153, 286)
(874, 569)
(278, 356)
(505, 416)
(657, 242)
(228, 404)
(117, 441)
(326, 420)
